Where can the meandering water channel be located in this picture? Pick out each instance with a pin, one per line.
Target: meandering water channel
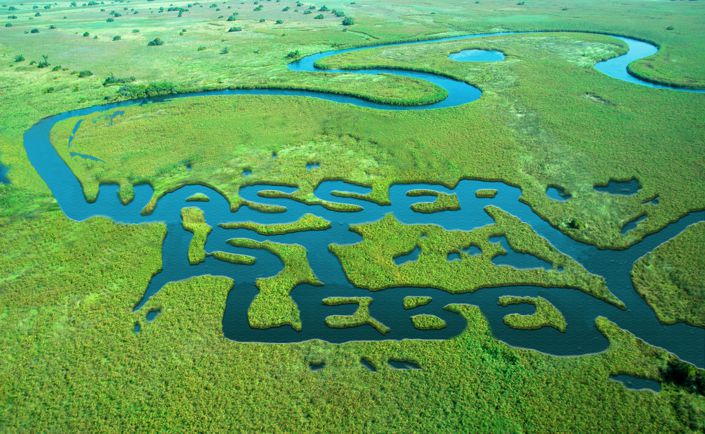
(578, 308)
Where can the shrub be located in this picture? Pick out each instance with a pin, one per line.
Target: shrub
(348, 21)
(150, 90)
(155, 42)
(234, 29)
(111, 79)
(8, 24)
(293, 54)
(44, 62)
(85, 73)
(110, 20)
(86, 34)
(323, 8)
(224, 50)
(19, 58)
(279, 22)
(34, 31)
(318, 17)
(117, 37)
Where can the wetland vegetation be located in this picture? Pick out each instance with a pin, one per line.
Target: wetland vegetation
(71, 359)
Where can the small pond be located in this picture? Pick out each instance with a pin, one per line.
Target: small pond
(477, 56)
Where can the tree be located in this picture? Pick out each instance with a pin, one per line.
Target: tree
(155, 42)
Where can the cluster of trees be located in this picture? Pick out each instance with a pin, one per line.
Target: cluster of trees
(132, 91)
(684, 375)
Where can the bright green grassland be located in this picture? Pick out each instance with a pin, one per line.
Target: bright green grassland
(546, 314)
(672, 278)
(520, 131)
(70, 360)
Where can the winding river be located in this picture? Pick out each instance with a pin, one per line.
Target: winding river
(578, 308)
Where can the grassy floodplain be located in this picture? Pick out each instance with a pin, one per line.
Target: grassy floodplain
(671, 278)
(70, 359)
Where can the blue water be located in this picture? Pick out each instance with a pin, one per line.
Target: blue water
(633, 223)
(403, 364)
(85, 156)
(558, 193)
(408, 257)
(3, 174)
(624, 188)
(368, 364)
(73, 132)
(473, 250)
(516, 259)
(477, 56)
(637, 383)
(316, 366)
(579, 308)
(152, 314)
